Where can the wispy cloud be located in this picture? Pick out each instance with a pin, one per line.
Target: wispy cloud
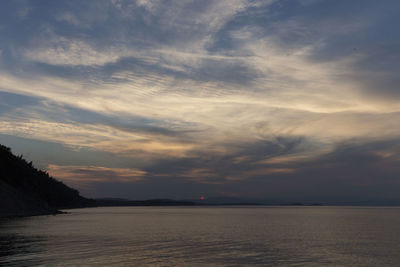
(84, 177)
(208, 92)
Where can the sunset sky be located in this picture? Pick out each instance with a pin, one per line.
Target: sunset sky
(296, 99)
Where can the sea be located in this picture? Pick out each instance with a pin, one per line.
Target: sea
(205, 236)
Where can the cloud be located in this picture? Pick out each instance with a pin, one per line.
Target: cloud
(83, 176)
(69, 18)
(213, 93)
(229, 163)
(10, 102)
(73, 53)
(101, 137)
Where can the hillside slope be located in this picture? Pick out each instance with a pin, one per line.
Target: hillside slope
(25, 190)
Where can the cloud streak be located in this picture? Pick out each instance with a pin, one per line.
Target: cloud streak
(222, 94)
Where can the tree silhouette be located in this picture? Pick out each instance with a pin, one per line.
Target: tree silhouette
(18, 173)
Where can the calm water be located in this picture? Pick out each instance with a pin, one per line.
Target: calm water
(205, 236)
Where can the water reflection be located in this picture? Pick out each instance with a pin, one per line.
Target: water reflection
(190, 236)
(18, 250)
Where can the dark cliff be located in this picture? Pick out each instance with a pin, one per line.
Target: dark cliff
(25, 190)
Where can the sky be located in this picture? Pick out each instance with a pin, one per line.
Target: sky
(275, 99)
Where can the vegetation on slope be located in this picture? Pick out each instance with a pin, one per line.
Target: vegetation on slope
(21, 182)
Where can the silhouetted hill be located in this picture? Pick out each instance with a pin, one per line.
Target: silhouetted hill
(25, 190)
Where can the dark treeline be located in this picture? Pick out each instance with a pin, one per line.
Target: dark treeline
(25, 190)
(22, 177)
